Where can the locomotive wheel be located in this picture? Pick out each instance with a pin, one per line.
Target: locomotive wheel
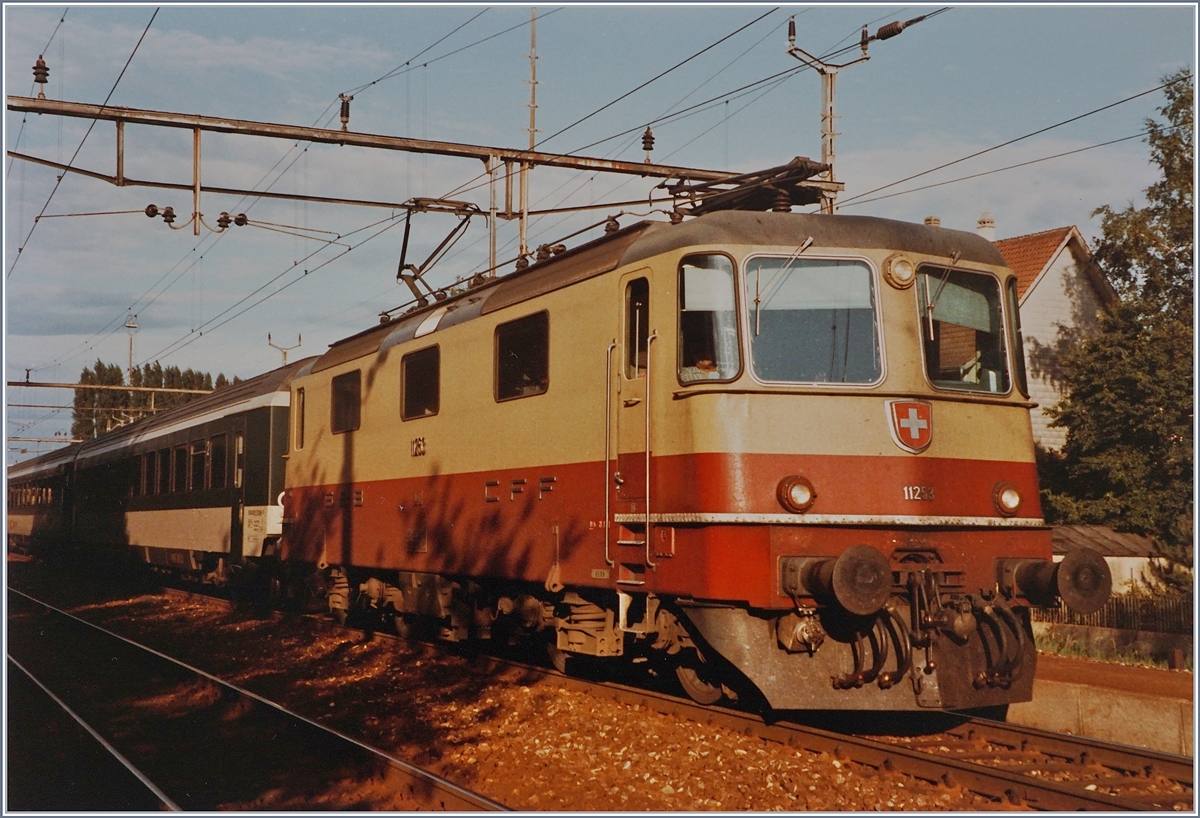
(559, 658)
(403, 625)
(699, 682)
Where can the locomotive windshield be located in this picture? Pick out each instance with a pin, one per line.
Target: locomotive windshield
(812, 320)
(962, 330)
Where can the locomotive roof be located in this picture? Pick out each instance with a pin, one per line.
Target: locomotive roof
(645, 239)
(235, 398)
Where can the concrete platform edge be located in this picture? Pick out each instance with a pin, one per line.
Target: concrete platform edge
(1152, 722)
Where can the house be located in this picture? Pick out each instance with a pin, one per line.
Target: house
(1061, 291)
(1128, 555)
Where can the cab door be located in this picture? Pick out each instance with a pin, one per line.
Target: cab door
(632, 409)
(629, 493)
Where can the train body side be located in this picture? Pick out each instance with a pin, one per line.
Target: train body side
(194, 488)
(516, 489)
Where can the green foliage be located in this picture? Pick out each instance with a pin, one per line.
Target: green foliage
(99, 411)
(1128, 458)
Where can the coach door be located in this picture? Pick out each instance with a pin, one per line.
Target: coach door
(236, 475)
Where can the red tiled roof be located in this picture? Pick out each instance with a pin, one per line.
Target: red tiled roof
(1028, 255)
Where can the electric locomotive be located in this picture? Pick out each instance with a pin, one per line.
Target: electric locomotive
(774, 452)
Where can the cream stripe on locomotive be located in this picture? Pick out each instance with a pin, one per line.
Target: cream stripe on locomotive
(566, 424)
(718, 518)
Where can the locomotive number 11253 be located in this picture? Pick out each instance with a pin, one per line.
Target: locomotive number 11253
(918, 493)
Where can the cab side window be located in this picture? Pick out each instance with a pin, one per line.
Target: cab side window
(522, 361)
(420, 383)
(346, 402)
(299, 418)
(637, 327)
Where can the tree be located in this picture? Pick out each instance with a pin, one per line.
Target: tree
(1128, 410)
(99, 411)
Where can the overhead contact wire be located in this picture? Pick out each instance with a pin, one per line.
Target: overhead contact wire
(62, 176)
(1013, 141)
(1009, 167)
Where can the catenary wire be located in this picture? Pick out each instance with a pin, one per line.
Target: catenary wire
(62, 176)
(90, 343)
(1013, 141)
(32, 86)
(1010, 167)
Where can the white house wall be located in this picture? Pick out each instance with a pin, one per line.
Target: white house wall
(1062, 295)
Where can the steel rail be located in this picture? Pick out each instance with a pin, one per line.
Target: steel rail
(1082, 749)
(441, 792)
(125, 762)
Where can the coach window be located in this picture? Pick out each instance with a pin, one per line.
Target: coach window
(420, 383)
(637, 327)
(217, 462)
(299, 418)
(523, 357)
(962, 330)
(146, 482)
(708, 337)
(346, 402)
(164, 471)
(197, 465)
(180, 470)
(239, 459)
(812, 320)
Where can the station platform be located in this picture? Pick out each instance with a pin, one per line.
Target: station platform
(1129, 704)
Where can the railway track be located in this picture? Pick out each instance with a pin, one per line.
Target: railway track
(198, 742)
(1009, 764)
(1006, 764)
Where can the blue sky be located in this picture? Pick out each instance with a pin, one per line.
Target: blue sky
(959, 82)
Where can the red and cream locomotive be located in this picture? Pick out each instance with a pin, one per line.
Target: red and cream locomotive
(774, 452)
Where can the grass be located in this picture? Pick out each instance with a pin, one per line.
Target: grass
(1068, 645)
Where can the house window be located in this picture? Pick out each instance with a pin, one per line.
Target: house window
(523, 357)
(217, 462)
(346, 402)
(420, 383)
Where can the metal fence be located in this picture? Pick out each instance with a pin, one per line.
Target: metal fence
(1132, 613)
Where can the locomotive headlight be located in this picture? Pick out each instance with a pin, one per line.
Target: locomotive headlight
(1006, 498)
(899, 271)
(796, 494)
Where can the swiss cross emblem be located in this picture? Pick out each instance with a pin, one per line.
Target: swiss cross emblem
(911, 424)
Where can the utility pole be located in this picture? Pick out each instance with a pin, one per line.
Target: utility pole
(533, 83)
(131, 326)
(829, 72)
(284, 350)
